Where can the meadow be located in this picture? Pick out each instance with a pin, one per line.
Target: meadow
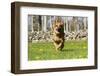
(73, 49)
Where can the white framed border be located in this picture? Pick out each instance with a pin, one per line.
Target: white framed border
(25, 64)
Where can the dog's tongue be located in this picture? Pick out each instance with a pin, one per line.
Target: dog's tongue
(56, 29)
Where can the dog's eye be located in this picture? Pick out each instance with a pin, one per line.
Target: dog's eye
(61, 25)
(56, 25)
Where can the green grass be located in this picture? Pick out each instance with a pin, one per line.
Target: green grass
(73, 49)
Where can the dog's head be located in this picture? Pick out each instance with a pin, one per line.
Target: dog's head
(58, 26)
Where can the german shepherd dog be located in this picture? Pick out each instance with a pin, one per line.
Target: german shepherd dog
(58, 34)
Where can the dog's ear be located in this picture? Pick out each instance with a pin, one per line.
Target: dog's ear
(53, 25)
(62, 23)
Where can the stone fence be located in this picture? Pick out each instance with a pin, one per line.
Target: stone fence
(47, 36)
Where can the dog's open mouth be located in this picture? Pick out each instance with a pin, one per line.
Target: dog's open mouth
(59, 30)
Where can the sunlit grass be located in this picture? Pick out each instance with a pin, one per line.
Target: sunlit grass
(73, 49)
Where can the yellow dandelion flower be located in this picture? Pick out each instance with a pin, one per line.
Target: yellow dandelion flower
(37, 57)
(84, 47)
(41, 49)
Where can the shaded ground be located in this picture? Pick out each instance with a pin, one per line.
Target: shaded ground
(46, 51)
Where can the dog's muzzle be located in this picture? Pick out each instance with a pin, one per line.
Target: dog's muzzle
(59, 30)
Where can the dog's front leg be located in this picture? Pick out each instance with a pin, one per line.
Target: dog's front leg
(60, 45)
(56, 46)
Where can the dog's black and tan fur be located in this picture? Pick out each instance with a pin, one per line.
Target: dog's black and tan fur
(58, 34)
